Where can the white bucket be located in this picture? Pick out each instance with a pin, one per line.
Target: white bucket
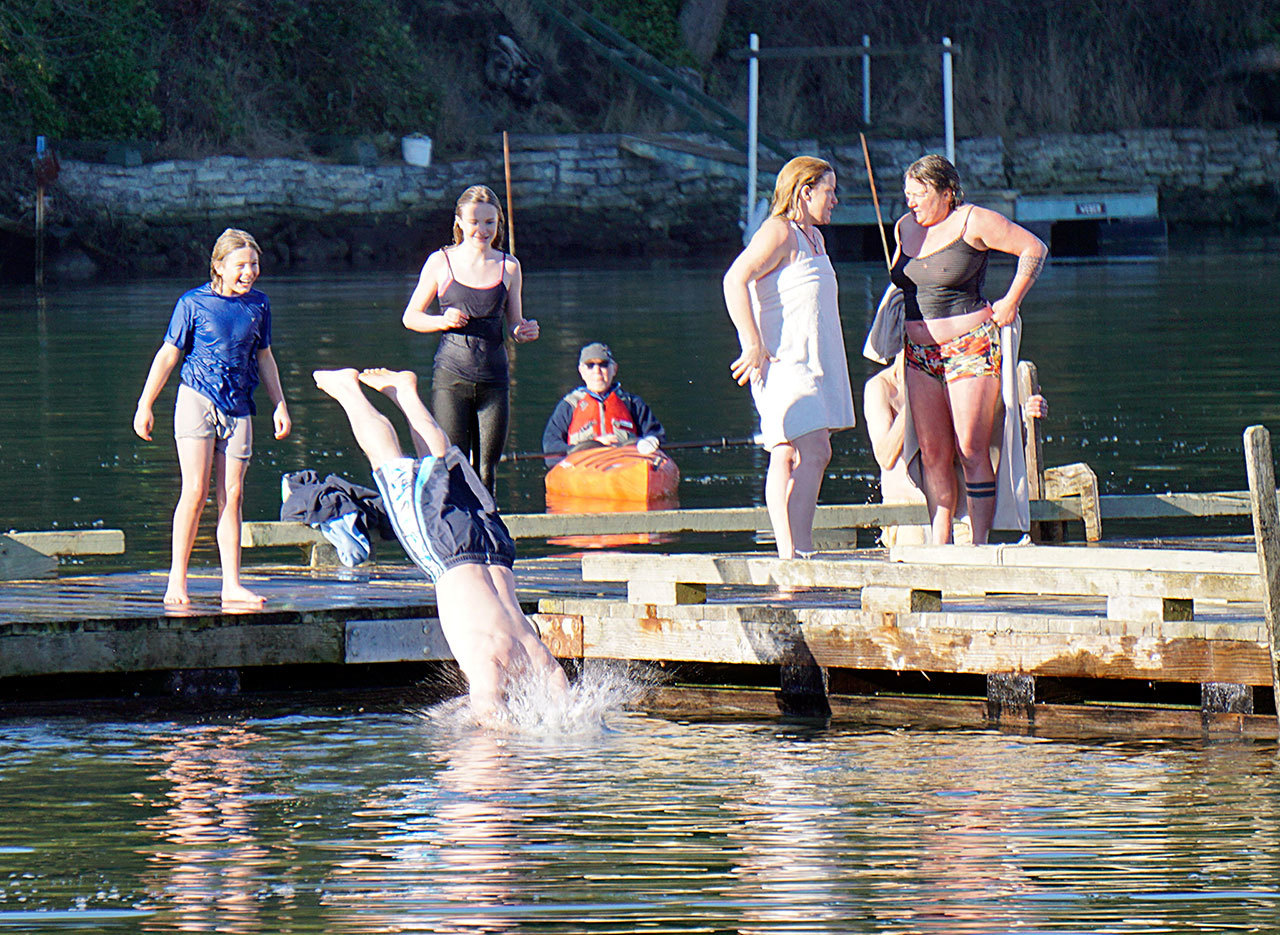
(416, 150)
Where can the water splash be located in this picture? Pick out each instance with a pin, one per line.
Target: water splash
(534, 707)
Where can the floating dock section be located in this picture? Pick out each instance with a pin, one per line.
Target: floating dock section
(1079, 639)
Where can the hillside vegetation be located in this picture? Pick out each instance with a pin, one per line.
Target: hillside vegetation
(268, 77)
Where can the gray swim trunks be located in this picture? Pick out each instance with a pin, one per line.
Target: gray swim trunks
(195, 416)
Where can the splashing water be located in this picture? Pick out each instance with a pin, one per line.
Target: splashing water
(534, 707)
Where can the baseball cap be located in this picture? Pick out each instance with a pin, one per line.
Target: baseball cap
(595, 351)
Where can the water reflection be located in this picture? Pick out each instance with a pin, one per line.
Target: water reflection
(789, 863)
(362, 823)
(447, 843)
(208, 858)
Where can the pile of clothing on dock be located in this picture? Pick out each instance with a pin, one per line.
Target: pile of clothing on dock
(345, 513)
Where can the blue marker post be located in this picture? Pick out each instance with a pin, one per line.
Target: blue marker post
(40, 151)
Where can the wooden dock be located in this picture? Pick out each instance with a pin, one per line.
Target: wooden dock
(1093, 639)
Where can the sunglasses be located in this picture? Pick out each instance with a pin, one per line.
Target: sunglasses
(593, 364)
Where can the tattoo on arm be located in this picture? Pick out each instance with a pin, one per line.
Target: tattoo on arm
(1030, 266)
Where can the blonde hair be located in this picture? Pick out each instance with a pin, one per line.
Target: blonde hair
(229, 241)
(479, 195)
(800, 172)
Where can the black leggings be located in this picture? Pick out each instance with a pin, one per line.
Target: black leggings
(474, 415)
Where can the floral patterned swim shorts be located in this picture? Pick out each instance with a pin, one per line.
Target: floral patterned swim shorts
(975, 353)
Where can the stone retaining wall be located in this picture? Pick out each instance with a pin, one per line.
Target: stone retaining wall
(588, 193)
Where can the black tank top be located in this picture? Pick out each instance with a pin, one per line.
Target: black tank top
(476, 351)
(942, 284)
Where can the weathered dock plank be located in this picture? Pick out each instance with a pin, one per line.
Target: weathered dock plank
(1050, 556)
(931, 712)
(1068, 640)
(118, 623)
(18, 560)
(73, 541)
(762, 570)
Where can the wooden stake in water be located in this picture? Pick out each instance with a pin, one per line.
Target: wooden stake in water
(875, 200)
(39, 235)
(511, 220)
(45, 165)
(1266, 533)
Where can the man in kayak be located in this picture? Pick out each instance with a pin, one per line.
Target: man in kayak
(600, 412)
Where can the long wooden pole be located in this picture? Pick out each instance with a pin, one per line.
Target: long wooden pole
(667, 446)
(511, 219)
(875, 200)
(1266, 533)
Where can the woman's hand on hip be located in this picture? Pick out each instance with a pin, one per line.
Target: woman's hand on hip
(750, 365)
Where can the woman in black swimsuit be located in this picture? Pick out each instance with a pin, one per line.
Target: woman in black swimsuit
(478, 287)
(952, 334)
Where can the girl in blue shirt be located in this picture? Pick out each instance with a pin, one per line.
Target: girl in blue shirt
(220, 333)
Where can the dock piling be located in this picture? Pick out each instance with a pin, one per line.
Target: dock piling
(804, 687)
(1011, 696)
(1226, 698)
(1266, 536)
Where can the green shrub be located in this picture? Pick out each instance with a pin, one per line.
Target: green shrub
(79, 69)
(650, 24)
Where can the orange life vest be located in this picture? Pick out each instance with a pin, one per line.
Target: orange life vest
(593, 418)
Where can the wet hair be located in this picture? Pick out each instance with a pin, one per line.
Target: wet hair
(939, 174)
(229, 241)
(792, 178)
(479, 195)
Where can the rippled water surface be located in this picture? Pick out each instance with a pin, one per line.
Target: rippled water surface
(1153, 368)
(345, 820)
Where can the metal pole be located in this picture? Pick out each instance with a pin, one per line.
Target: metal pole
(40, 147)
(866, 82)
(948, 101)
(753, 130)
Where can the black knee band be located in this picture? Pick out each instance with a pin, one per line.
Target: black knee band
(980, 491)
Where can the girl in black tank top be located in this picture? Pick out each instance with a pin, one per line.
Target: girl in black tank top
(477, 350)
(471, 372)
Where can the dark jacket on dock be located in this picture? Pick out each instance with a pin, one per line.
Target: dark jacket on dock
(345, 513)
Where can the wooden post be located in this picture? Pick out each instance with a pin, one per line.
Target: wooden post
(511, 209)
(1011, 696)
(1028, 386)
(39, 235)
(804, 685)
(1266, 535)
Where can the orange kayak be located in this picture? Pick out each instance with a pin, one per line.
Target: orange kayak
(619, 474)
(612, 480)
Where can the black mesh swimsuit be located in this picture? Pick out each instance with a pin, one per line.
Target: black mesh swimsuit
(944, 283)
(476, 351)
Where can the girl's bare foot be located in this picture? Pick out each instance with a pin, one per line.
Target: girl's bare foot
(334, 382)
(384, 380)
(176, 593)
(239, 594)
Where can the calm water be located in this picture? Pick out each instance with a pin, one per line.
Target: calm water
(356, 822)
(1153, 369)
(311, 816)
